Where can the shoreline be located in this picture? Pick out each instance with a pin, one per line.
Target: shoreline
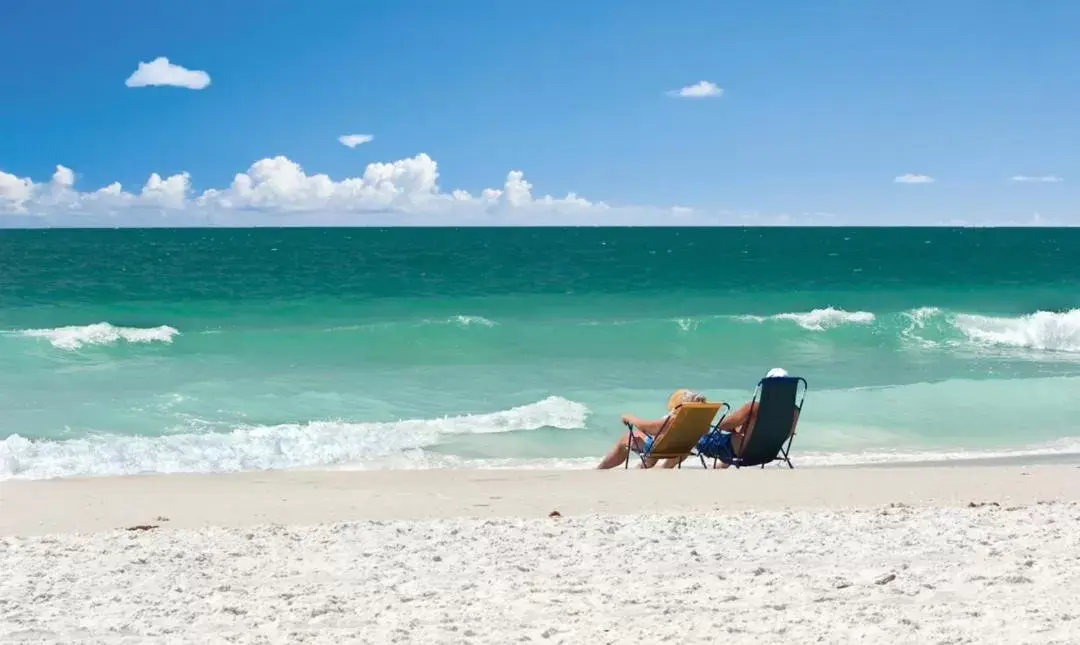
(36, 459)
(307, 497)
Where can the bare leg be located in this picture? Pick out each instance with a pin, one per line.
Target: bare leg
(672, 462)
(649, 462)
(618, 452)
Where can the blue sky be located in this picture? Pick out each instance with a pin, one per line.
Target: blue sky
(823, 105)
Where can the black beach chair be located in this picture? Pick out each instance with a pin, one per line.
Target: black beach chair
(771, 427)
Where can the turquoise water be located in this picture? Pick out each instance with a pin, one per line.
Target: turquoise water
(195, 350)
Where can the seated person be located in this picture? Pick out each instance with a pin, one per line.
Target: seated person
(736, 427)
(645, 431)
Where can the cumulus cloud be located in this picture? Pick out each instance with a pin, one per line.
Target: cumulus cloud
(353, 140)
(699, 90)
(1037, 179)
(14, 192)
(279, 191)
(910, 178)
(161, 72)
(23, 195)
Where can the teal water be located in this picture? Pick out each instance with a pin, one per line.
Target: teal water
(130, 351)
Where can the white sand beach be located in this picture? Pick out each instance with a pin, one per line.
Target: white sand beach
(904, 555)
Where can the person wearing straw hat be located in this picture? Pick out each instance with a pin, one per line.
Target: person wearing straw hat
(645, 431)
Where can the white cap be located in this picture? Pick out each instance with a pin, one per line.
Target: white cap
(776, 372)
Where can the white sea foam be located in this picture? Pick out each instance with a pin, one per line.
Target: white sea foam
(103, 333)
(1063, 449)
(920, 316)
(339, 445)
(818, 319)
(465, 321)
(1042, 330)
(462, 320)
(1046, 331)
(318, 443)
(687, 324)
(917, 322)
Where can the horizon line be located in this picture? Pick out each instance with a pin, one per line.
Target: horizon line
(540, 226)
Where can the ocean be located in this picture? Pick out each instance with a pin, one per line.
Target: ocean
(214, 350)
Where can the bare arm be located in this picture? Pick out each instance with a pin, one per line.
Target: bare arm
(737, 420)
(648, 427)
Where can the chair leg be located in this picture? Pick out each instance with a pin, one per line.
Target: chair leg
(644, 457)
(631, 441)
(786, 452)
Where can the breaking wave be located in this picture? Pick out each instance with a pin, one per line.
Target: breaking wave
(819, 319)
(78, 336)
(290, 445)
(1045, 331)
(1042, 330)
(927, 327)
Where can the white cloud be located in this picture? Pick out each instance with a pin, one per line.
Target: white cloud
(353, 140)
(699, 90)
(1038, 179)
(161, 72)
(278, 191)
(1036, 220)
(913, 179)
(64, 177)
(170, 192)
(14, 193)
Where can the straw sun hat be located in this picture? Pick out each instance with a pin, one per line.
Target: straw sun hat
(683, 395)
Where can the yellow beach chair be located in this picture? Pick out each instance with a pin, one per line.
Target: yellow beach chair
(680, 434)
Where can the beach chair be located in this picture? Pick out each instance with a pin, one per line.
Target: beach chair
(680, 434)
(771, 428)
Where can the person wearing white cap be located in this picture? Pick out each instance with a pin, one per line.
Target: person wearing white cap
(735, 426)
